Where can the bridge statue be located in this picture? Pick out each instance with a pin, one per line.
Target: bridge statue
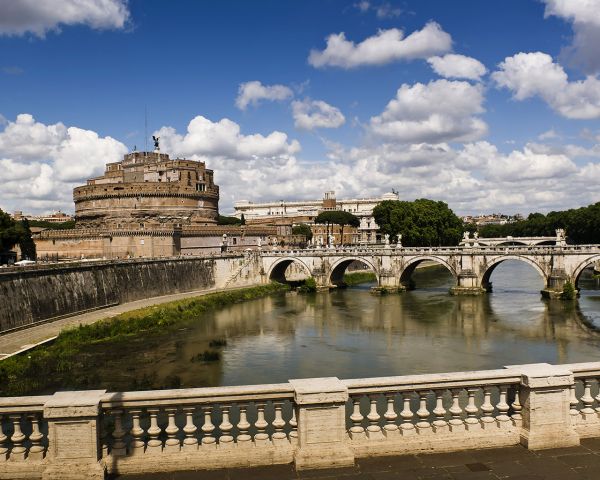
(399, 242)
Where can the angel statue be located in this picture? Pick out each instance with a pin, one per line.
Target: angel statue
(156, 139)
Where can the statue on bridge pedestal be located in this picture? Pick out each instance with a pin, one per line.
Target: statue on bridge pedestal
(399, 242)
(561, 238)
(387, 240)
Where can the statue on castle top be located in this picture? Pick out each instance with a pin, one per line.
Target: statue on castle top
(156, 144)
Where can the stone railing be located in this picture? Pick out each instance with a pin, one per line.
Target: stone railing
(314, 423)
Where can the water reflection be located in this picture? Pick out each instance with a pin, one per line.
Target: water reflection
(351, 333)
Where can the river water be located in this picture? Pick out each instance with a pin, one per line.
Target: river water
(351, 334)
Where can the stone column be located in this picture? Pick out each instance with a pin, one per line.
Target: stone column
(321, 416)
(73, 432)
(545, 397)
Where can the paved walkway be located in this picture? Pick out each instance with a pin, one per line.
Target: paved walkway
(22, 340)
(512, 463)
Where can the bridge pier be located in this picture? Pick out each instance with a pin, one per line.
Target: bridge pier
(556, 283)
(388, 283)
(467, 284)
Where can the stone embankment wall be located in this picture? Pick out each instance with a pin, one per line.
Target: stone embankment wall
(32, 294)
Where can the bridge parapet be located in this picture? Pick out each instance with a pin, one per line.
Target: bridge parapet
(90, 434)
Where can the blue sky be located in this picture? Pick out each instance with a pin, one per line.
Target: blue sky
(490, 106)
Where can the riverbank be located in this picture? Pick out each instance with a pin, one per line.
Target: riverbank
(69, 362)
(356, 278)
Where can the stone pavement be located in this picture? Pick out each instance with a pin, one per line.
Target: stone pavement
(512, 463)
(22, 340)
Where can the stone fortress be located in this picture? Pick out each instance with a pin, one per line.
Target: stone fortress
(149, 205)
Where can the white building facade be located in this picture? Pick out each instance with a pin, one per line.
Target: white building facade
(306, 211)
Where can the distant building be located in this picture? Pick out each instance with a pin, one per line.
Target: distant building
(490, 219)
(54, 217)
(296, 212)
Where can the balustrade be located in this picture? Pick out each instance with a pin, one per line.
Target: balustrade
(23, 435)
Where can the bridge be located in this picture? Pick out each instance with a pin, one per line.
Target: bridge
(470, 266)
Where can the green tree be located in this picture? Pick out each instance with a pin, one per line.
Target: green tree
(224, 220)
(10, 233)
(302, 229)
(422, 222)
(242, 220)
(337, 217)
(26, 243)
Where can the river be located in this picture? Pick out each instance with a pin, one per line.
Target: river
(351, 334)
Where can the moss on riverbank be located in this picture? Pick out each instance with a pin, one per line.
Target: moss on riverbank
(67, 364)
(356, 278)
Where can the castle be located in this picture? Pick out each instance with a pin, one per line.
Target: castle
(149, 205)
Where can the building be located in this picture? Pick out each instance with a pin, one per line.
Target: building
(297, 212)
(54, 217)
(149, 205)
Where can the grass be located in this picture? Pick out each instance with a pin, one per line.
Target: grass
(67, 363)
(356, 278)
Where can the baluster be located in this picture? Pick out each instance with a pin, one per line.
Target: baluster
(374, 430)
(154, 443)
(472, 422)
(243, 426)
(503, 419)
(487, 420)
(118, 448)
(439, 424)
(36, 449)
(18, 451)
(423, 425)
(407, 427)
(597, 398)
(390, 428)
(279, 435)
(137, 432)
(517, 407)
(172, 443)
(208, 428)
(261, 437)
(3, 442)
(226, 439)
(190, 442)
(357, 430)
(456, 423)
(294, 425)
(587, 412)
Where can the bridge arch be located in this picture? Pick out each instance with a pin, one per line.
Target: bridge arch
(277, 271)
(338, 269)
(411, 265)
(582, 266)
(485, 279)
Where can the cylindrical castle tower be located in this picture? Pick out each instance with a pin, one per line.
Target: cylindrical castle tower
(148, 189)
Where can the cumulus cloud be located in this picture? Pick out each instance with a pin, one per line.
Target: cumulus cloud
(384, 47)
(585, 17)
(41, 16)
(251, 93)
(42, 163)
(440, 111)
(536, 74)
(222, 139)
(452, 65)
(310, 114)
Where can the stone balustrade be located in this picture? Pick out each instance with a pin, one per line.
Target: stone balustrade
(314, 423)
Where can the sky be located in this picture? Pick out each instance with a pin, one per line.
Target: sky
(488, 106)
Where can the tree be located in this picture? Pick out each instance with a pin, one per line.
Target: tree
(422, 222)
(13, 233)
(302, 229)
(242, 220)
(26, 243)
(337, 217)
(224, 220)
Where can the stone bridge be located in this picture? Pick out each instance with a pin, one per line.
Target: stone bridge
(470, 266)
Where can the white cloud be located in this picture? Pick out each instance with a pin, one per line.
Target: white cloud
(452, 65)
(42, 163)
(310, 114)
(439, 111)
(548, 135)
(41, 16)
(383, 10)
(222, 139)
(384, 47)
(251, 93)
(585, 16)
(535, 74)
